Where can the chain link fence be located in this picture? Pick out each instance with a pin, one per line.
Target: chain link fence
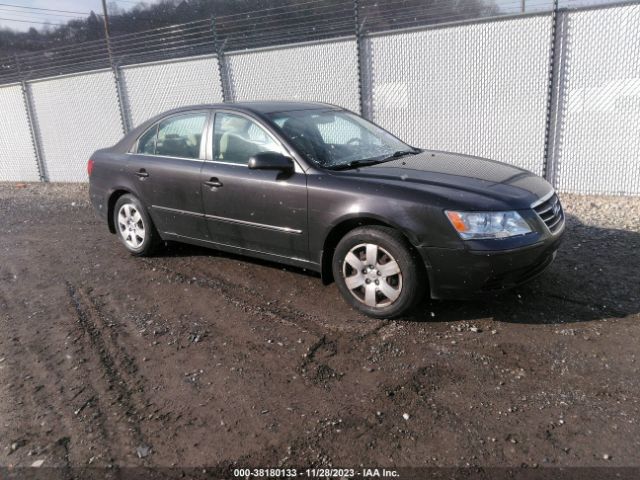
(554, 91)
(155, 87)
(17, 155)
(597, 139)
(325, 71)
(74, 115)
(478, 89)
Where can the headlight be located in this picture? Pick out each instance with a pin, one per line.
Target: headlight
(473, 225)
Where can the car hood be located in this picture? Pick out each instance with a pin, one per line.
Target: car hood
(441, 172)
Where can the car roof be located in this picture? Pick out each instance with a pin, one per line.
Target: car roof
(262, 107)
(256, 107)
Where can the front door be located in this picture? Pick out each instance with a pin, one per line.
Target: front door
(258, 210)
(168, 163)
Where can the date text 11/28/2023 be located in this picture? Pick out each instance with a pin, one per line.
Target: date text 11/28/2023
(315, 473)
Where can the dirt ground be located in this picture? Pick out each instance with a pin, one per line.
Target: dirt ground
(198, 358)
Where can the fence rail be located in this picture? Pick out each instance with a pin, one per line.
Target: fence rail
(555, 91)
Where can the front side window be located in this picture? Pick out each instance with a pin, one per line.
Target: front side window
(238, 138)
(180, 136)
(338, 139)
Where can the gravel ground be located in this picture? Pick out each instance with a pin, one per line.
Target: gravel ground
(196, 358)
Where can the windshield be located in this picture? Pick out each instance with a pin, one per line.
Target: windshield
(338, 139)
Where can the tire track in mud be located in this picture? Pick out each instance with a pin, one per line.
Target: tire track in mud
(317, 364)
(119, 372)
(238, 296)
(254, 302)
(38, 386)
(316, 370)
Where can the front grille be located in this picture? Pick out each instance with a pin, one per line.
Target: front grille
(550, 212)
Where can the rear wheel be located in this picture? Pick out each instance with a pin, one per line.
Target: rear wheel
(377, 272)
(134, 226)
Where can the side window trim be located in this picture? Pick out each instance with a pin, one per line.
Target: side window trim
(207, 127)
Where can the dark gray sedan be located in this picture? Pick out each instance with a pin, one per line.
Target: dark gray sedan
(319, 187)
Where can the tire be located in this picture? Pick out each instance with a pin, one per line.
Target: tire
(134, 226)
(388, 290)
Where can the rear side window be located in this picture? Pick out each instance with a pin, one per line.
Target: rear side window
(178, 136)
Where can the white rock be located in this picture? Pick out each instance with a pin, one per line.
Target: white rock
(37, 463)
(405, 416)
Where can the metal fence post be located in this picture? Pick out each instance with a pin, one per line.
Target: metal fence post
(363, 57)
(124, 117)
(226, 84)
(122, 103)
(550, 158)
(33, 128)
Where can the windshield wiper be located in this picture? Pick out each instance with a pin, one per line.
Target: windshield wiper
(356, 163)
(374, 161)
(401, 153)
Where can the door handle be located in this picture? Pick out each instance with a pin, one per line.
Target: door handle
(142, 173)
(213, 183)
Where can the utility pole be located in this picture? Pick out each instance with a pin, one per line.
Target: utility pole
(522, 5)
(105, 17)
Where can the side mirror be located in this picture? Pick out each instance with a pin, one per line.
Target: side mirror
(271, 161)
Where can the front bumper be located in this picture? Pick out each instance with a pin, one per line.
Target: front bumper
(460, 273)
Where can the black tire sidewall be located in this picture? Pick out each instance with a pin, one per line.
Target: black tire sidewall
(151, 236)
(400, 249)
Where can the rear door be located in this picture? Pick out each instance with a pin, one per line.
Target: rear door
(260, 210)
(167, 164)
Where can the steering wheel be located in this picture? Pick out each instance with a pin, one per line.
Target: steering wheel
(355, 140)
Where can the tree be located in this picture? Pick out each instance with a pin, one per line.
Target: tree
(262, 23)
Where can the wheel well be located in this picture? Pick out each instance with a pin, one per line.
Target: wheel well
(336, 234)
(111, 205)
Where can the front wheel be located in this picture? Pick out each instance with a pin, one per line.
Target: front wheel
(134, 226)
(377, 272)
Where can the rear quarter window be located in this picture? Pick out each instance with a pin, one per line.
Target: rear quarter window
(147, 142)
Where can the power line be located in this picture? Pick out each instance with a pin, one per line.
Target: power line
(44, 9)
(291, 6)
(30, 21)
(45, 14)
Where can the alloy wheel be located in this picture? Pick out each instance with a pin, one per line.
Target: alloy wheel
(131, 225)
(372, 275)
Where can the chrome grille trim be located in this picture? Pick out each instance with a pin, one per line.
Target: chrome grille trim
(543, 199)
(549, 210)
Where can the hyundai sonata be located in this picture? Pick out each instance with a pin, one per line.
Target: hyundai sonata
(319, 187)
